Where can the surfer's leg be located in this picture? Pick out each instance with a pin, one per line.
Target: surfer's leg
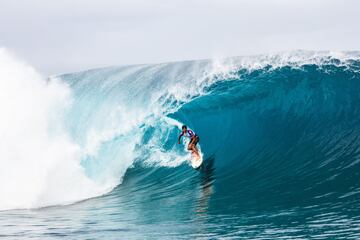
(192, 148)
(189, 146)
(193, 142)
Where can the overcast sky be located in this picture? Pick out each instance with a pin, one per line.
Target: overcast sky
(71, 35)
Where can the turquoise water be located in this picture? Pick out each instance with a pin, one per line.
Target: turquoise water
(279, 136)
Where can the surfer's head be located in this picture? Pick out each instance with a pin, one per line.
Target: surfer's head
(184, 128)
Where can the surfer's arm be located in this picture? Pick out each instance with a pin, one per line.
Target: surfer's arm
(180, 137)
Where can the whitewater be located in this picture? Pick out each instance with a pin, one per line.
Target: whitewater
(94, 154)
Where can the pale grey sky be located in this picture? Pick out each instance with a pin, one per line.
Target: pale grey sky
(73, 35)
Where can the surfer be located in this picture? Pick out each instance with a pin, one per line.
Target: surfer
(194, 139)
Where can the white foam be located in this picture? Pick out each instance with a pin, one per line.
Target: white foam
(40, 164)
(296, 58)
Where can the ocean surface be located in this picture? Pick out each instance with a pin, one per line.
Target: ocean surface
(94, 154)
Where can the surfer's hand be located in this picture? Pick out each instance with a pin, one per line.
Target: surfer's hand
(178, 142)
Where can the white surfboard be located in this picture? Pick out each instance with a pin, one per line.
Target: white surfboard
(196, 161)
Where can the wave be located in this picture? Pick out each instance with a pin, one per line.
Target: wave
(284, 123)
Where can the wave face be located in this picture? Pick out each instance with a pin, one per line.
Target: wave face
(279, 135)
